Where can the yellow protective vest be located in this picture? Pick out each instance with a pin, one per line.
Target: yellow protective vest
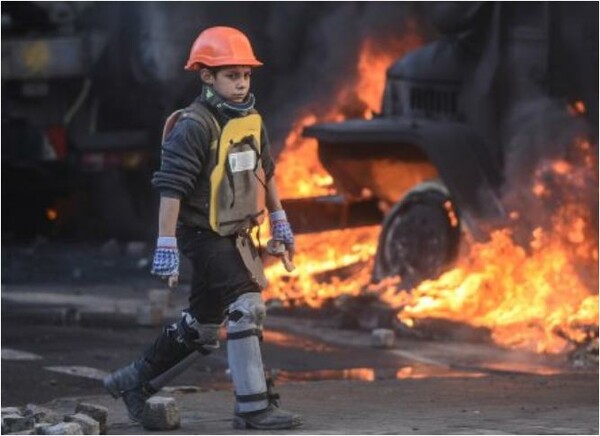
(237, 179)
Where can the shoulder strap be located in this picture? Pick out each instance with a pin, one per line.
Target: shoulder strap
(199, 113)
(170, 122)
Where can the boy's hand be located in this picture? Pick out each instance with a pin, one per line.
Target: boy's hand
(277, 249)
(282, 234)
(166, 260)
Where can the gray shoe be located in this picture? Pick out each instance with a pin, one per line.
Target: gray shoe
(128, 384)
(271, 418)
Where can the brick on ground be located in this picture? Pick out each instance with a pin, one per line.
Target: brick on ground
(382, 338)
(14, 423)
(11, 411)
(42, 414)
(99, 413)
(88, 424)
(161, 413)
(64, 428)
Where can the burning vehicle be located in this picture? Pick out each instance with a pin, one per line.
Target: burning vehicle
(487, 136)
(437, 150)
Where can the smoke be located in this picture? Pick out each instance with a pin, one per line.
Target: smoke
(314, 51)
(543, 132)
(552, 180)
(308, 49)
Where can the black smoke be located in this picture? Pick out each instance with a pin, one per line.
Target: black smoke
(309, 50)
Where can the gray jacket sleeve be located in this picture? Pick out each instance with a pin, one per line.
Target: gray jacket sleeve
(267, 161)
(184, 153)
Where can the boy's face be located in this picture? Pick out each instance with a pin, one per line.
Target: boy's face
(232, 83)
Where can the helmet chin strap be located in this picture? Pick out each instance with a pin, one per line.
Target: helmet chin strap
(229, 109)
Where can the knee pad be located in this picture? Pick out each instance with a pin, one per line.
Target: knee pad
(247, 313)
(196, 336)
(244, 328)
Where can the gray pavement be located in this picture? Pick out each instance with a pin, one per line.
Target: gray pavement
(518, 404)
(439, 387)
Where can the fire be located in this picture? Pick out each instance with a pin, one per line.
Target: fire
(322, 260)
(299, 172)
(543, 297)
(540, 296)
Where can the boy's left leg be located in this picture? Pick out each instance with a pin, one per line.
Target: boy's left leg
(255, 407)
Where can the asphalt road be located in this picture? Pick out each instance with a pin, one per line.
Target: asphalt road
(333, 377)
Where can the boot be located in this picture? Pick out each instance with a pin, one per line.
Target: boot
(271, 418)
(130, 384)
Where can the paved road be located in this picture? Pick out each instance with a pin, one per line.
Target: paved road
(333, 377)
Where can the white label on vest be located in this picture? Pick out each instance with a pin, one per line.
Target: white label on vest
(242, 161)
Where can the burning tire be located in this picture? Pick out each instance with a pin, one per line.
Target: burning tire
(419, 236)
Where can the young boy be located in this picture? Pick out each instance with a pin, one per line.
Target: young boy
(216, 176)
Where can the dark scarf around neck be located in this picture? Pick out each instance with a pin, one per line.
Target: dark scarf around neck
(227, 108)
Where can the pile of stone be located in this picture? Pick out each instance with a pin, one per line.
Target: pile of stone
(33, 419)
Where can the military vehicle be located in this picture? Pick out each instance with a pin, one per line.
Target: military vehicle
(437, 150)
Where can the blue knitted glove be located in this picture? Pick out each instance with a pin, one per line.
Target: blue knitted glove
(281, 230)
(166, 258)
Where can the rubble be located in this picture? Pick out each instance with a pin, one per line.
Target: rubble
(88, 424)
(383, 338)
(364, 312)
(10, 410)
(161, 413)
(13, 423)
(585, 354)
(64, 428)
(33, 419)
(41, 414)
(42, 427)
(99, 413)
(30, 431)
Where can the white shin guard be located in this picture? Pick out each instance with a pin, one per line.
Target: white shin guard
(244, 327)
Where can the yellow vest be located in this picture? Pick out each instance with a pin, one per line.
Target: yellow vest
(237, 179)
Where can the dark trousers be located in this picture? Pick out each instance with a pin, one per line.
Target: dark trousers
(219, 277)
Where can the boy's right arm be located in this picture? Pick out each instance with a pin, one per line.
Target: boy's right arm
(181, 162)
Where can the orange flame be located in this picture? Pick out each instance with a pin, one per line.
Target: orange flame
(542, 299)
(299, 172)
(323, 260)
(532, 297)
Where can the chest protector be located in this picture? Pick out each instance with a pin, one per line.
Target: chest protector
(237, 179)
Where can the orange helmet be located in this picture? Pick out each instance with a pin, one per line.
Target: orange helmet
(220, 46)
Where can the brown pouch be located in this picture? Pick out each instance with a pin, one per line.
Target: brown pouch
(251, 259)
